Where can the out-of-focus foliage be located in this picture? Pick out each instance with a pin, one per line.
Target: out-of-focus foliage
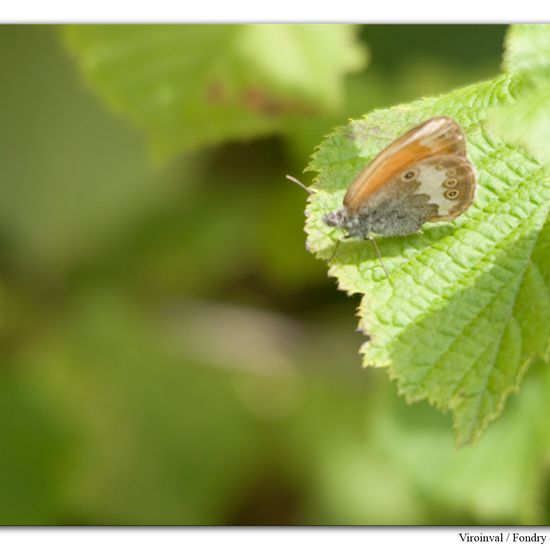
(527, 121)
(72, 175)
(172, 354)
(196, 85)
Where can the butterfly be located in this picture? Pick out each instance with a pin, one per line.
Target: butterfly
(423, 176)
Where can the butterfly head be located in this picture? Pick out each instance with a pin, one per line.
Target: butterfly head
(355, 226)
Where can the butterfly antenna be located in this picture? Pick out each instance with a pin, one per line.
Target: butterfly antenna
(298, 182)
(377, 250)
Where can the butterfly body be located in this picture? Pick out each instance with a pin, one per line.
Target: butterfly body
(423, 176)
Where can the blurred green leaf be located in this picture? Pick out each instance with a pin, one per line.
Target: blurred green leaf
(527, 122)
(195, 85)
(498, 481)
(527, 49)
(466, 307)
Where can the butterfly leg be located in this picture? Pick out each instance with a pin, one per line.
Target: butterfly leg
(334, 251)
(377, 250)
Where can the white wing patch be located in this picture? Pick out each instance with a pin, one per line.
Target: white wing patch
(431, 183)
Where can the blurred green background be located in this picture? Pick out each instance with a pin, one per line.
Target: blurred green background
(171, 353)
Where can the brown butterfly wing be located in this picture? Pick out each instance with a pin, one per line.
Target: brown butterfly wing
(437, 137)
(435, 189)
(453, 185)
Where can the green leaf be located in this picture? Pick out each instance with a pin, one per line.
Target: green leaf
(527, 49)
(466, 308)
(195, 85)
(527, 122)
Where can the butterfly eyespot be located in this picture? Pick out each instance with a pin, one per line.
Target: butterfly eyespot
(451, 194)
(410, 175)
(451, 172)
(450, 183)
